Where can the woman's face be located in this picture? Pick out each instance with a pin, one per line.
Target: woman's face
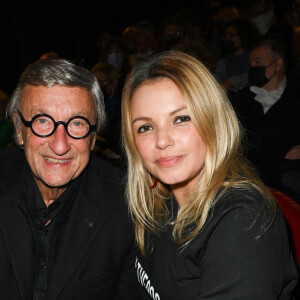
(168, 143)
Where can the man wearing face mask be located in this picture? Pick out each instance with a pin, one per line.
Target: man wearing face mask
(269, 109)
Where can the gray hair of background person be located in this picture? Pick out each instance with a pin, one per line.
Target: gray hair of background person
(52, 72)
(277, 49)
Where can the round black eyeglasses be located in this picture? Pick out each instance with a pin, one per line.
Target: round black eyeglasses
(43, 125)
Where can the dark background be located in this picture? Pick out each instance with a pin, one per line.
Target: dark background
(69, 27)
(29, 28)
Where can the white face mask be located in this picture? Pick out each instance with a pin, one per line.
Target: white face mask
(263, 22)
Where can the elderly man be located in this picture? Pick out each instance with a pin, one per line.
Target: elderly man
(270, 112)
(64, 227)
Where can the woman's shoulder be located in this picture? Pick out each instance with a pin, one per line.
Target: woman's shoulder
(246, 197)
(246, 206)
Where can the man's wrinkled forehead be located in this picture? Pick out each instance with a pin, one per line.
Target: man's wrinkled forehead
(33, 100)
(261, 53)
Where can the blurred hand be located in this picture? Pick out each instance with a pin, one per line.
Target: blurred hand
(293, 153)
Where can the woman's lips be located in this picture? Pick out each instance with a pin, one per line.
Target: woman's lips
(169, 161)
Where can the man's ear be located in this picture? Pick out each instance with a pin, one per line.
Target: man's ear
(18, 128)
(93, 141)
(280, 64)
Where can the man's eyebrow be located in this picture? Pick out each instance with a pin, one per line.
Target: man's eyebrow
(38, 110)
(79, 113)
(43, 111)
(149, 119)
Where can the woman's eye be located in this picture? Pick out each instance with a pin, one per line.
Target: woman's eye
(144, 128)
(182, 119)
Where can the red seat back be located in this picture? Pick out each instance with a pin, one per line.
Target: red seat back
(291, 211)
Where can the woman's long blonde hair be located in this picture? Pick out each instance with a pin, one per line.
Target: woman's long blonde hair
(217, 124)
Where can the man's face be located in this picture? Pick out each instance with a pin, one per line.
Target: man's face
(262, 56)
(57, 159)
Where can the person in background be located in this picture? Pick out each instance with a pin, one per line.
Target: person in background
(217, 15)
(115, 53)
(232, 69)
(206, 225)
(262, 14)
(128, 36)
(108, 78)
(172, 30)
(64, 228)
(144, 45)
(269, 111)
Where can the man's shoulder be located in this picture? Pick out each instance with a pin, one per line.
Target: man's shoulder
(105, 171)
(12, 161)
(245, 100)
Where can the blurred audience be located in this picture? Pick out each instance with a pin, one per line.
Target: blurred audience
(261, 14)
(108, 78)
(144, 45)
(221, 35)
(232, 69)
(220, 15)
(115, 53)
(128, 36)
(199, 50)
(6, 124)
(50, 54)
(172, 31)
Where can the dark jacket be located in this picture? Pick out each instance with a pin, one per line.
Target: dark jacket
(270, 136)
(92, 252)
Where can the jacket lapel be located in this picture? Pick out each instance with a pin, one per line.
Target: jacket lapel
(84, 222)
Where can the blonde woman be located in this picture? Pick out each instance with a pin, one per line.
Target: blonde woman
(206, 226)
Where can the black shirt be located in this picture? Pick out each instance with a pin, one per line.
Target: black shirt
(43, 224)
(225, 261)
(46, 222)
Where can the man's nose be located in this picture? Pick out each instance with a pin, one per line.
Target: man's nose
(60, 141)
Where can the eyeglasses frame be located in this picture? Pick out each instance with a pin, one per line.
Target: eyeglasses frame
(65, 124)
